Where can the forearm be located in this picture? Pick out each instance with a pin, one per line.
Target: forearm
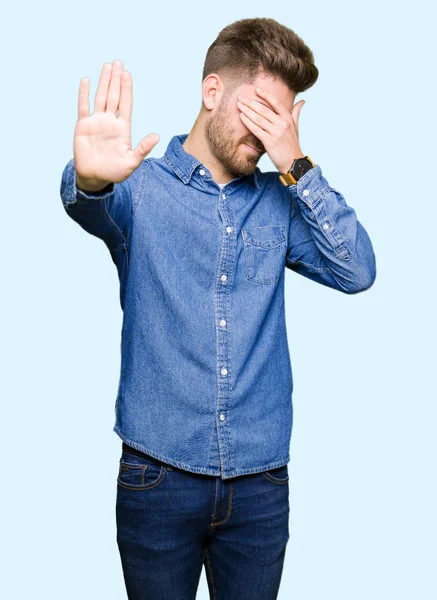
(328, 236)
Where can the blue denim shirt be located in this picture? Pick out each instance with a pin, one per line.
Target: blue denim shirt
(205, 380)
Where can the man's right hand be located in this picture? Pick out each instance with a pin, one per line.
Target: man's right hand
(102, 142)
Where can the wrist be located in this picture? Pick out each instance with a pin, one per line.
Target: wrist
(90, 185)
(298, 168)
(286, 165)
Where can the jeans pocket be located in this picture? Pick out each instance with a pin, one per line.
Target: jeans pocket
(278, 475)
(139, 471)
(264, 251)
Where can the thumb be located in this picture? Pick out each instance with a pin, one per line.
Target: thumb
(296, 111)
(145, 146)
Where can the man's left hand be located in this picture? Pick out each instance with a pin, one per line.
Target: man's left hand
(276, 128)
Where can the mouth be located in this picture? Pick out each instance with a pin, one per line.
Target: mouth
(255, 150)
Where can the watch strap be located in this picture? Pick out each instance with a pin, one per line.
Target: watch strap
(288, 178)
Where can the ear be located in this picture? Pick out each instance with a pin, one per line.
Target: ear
(212, 91)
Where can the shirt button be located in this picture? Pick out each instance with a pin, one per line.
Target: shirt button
(228, 229)
(224, 371)
(223, 277)
(306, 192)
(224, 197)
(202, 171)
(325, 225)
(222, 417)
(222, 322)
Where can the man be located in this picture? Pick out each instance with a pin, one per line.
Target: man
(201, 238)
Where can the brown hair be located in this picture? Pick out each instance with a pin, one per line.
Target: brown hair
(249, 47)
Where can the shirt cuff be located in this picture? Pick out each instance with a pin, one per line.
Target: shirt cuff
(310, 187)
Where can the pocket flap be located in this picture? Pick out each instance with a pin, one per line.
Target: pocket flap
(267, 236)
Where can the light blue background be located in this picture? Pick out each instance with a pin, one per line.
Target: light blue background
(363, 469)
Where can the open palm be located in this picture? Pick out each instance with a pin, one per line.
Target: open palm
(102, 142)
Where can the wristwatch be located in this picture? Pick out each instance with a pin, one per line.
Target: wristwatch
(299, 167)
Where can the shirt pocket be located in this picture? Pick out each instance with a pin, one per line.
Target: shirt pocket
(264, 251)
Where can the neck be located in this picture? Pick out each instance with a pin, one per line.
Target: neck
(197, 145)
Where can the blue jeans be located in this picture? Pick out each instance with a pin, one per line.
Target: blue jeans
(171, 522)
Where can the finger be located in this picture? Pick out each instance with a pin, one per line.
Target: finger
(276, 104)
(113, 98)
(262, 109)
(144, 147)
(251, 126)
(295, 113)
(125, 108)
(256, 118)
(102, 88)
(83, 108)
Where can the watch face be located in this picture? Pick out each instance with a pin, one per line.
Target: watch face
(300, 167)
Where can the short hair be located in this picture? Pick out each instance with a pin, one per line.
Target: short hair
(249, 47)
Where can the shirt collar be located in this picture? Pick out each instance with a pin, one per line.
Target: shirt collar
(183, 163)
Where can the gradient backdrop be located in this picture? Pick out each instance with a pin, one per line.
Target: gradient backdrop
(363, 470)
